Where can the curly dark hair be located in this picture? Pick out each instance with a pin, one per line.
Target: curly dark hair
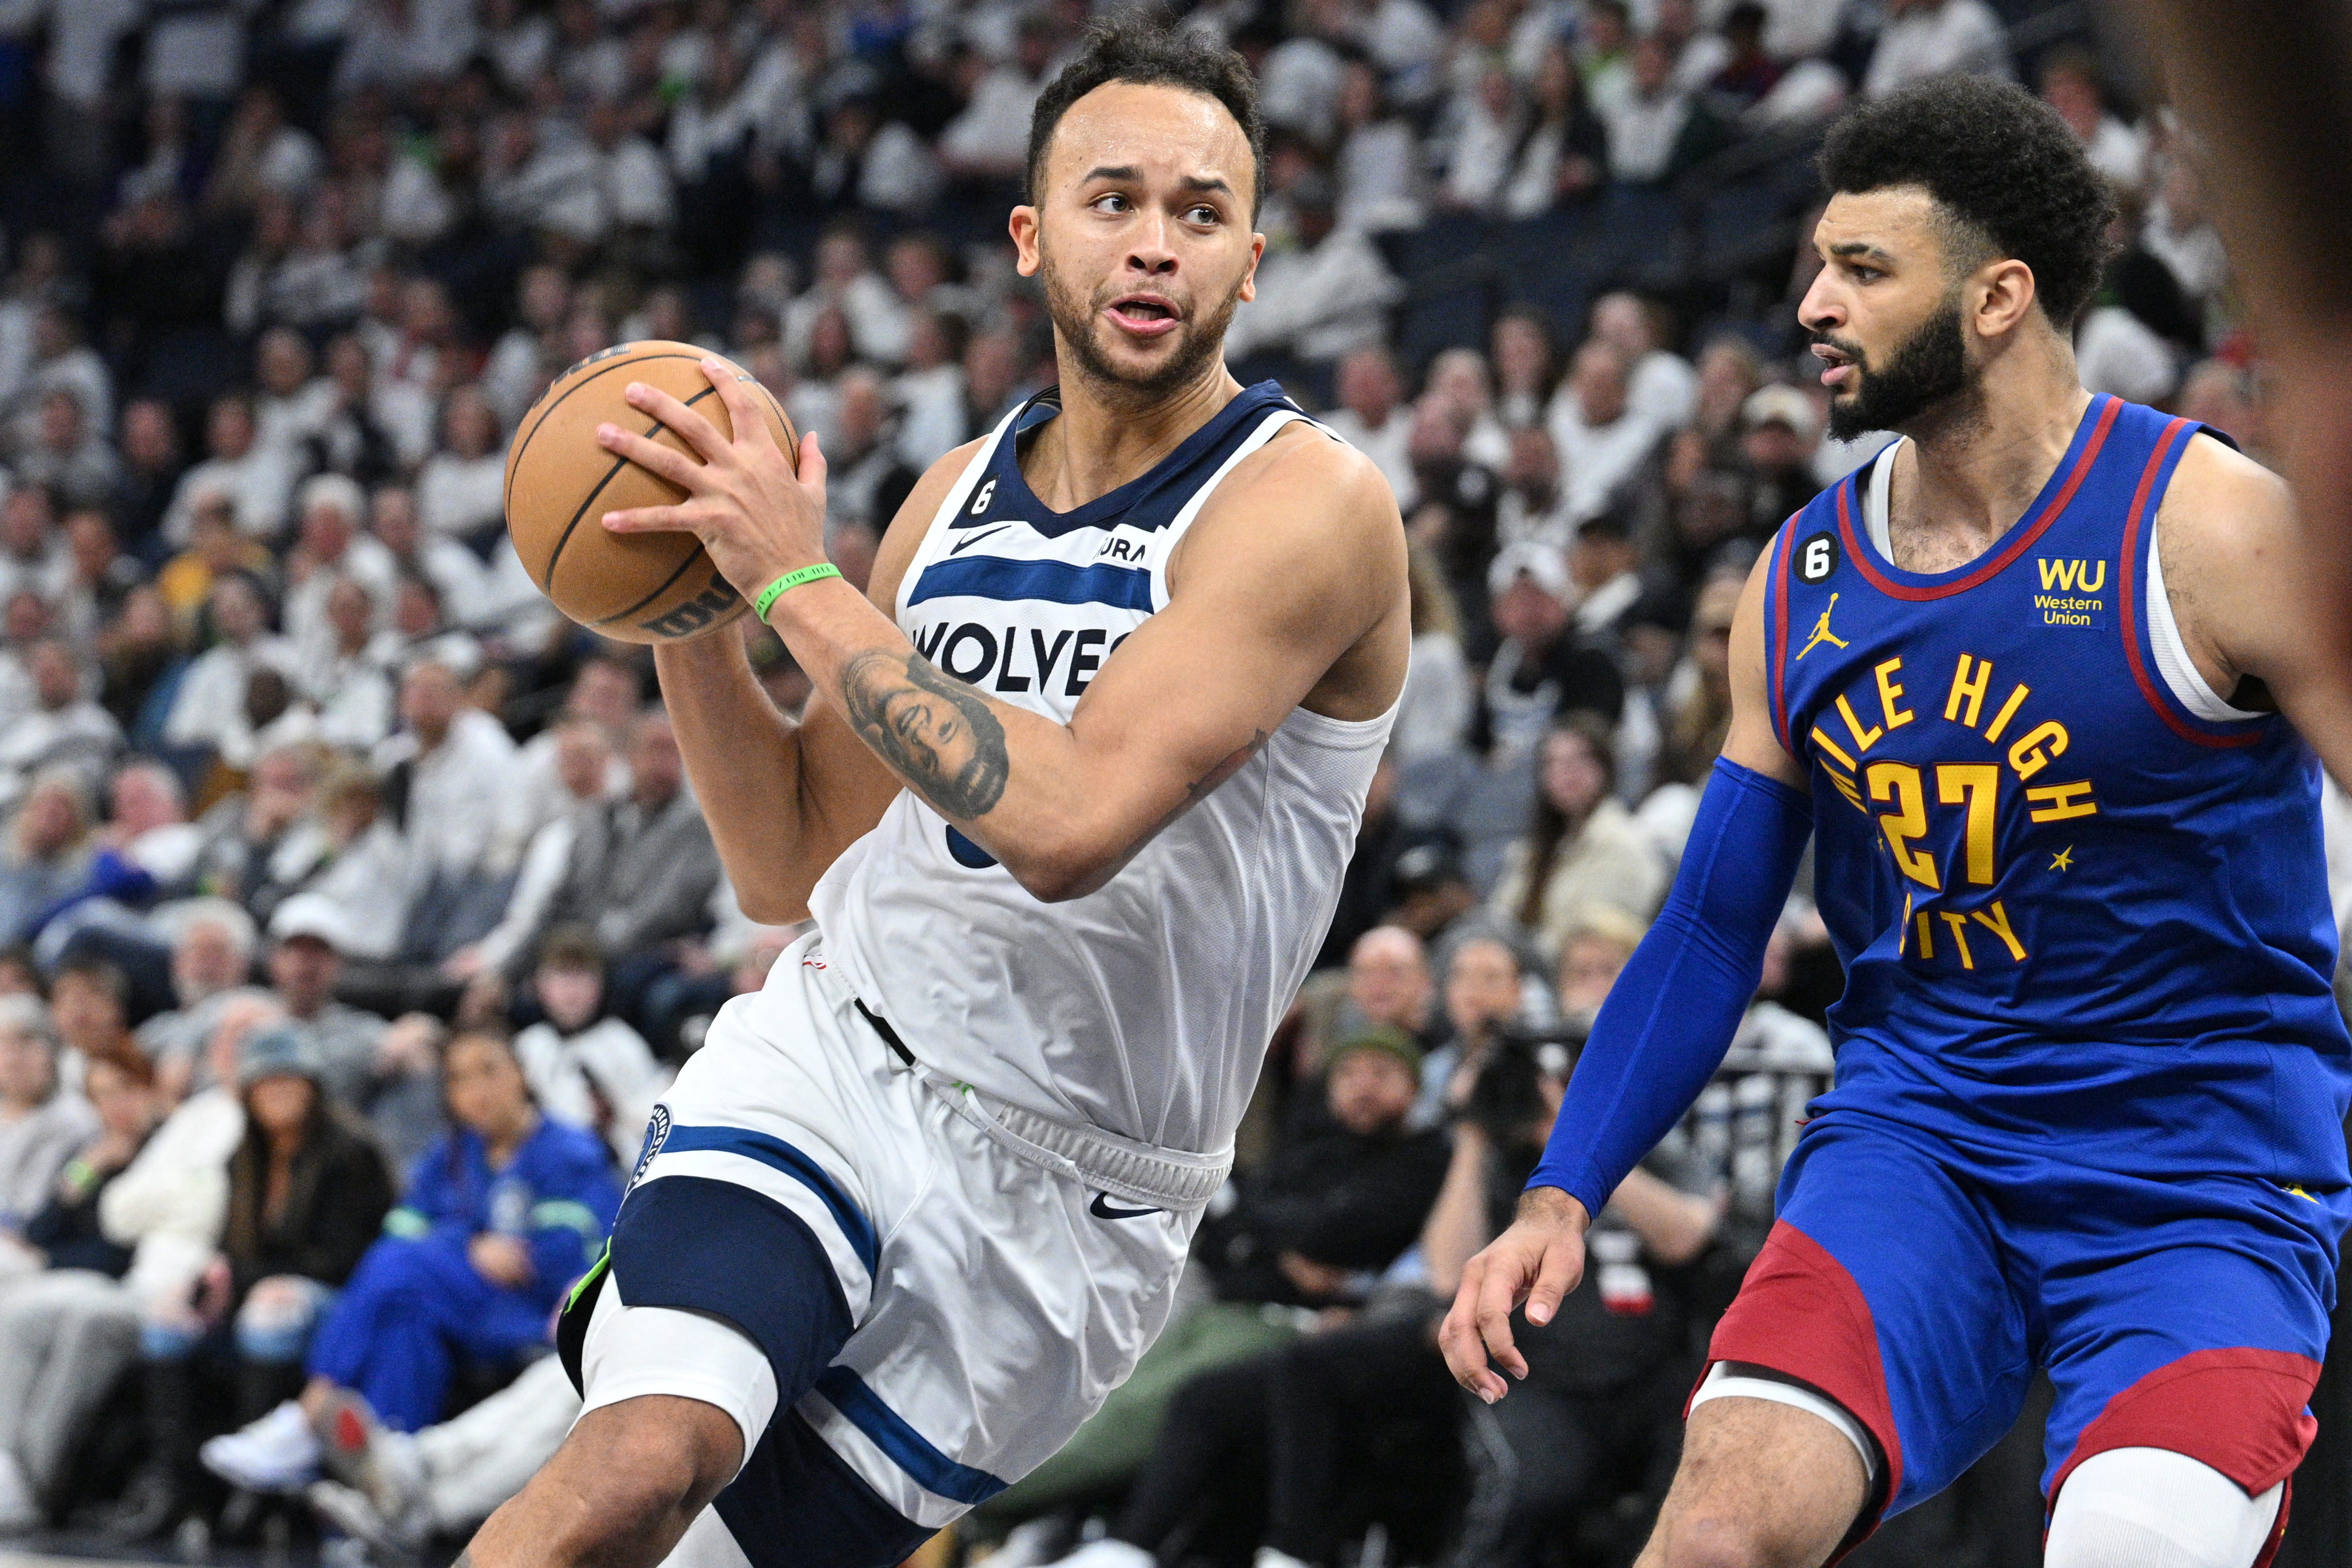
(1144, 50)
(2002, 165)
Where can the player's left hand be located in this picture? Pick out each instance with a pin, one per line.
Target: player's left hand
(757, 516)
(1538, 1261)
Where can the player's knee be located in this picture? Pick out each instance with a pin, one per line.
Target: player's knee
(661, 1457)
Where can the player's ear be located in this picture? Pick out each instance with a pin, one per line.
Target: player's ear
(1249, 278)
(2008, 294)
(1023, 226)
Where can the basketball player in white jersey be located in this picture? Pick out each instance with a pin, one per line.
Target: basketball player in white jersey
(1070, 809)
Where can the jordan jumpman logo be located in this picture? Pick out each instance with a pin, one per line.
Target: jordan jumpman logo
(1821, 632)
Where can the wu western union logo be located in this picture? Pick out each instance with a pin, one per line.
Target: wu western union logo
(2067, 590)
(2070, 575)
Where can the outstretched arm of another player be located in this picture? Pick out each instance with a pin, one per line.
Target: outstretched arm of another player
(2239, 569)
(1295, 564)
(1663, 1029)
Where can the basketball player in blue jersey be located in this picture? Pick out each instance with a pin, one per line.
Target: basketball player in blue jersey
(1070, 810)
(2044, 683)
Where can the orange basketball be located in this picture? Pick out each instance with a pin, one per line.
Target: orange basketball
(636, 588)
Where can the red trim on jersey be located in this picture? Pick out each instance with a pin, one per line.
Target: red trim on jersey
(1799, 1314)
(2244, 1411)
(2128, 590)
(1776, 585)
(2021, 540)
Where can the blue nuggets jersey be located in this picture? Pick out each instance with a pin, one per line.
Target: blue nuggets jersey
(2080, 900)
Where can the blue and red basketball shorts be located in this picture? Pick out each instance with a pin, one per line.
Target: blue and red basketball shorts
(1919, 1281)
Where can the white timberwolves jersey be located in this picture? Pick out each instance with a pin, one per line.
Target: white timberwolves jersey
(1143, 1008)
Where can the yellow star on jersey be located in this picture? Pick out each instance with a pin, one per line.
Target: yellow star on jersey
(2063, 859)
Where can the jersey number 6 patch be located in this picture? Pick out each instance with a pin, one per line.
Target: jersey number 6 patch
(1817, 558)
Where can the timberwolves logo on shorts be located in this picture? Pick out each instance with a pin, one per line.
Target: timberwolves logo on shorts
(657, 1134)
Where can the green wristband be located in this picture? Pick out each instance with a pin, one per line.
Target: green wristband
(775, 591)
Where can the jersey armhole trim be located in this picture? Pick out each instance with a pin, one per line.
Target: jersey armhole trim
(2184, 714)
(1277, 417)
(1776, 593)
(960, 492)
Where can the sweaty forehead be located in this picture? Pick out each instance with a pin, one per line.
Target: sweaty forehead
(1167, 133)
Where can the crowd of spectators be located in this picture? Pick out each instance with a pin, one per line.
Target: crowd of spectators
(353, 906)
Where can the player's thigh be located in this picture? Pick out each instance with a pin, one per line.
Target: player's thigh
(1761, 1484)
(1886, 1287)
(2200, 1329)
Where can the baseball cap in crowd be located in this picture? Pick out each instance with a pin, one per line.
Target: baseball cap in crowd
(277, 1051)
(1540, 564)
(312, 914)
(1386, 1038)
(1778, 404)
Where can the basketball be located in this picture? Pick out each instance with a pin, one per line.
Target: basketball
(635, 588)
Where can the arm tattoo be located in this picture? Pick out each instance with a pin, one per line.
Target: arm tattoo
(935, 732)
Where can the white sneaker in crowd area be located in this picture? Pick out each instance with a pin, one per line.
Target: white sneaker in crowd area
(19, 1510)
(347, 1509)
(278, 1453)
(1108, 1554)
(382, 1464)
(1267, 1557)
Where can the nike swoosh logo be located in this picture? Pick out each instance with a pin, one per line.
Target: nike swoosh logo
(959, 548)
(1101, 1210)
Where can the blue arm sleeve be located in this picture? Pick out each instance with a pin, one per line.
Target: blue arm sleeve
(1672, 1013)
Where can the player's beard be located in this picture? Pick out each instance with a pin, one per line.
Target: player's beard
(1928, 368)
(1078, 317)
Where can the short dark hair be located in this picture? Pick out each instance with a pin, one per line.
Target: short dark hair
(1148, 53)
(2003, 166)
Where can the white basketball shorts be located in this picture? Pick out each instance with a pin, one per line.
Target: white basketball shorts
(991, 1295)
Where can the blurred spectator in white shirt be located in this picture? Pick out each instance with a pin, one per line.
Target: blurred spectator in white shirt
(1486, 136)
(61, 362)
(454, 571)
(210, 709)
(74, 462)
(460, 768)
(516, 371)
(604, 693)
(293, 407)
(350, 690)
(2179, 234)
(1648, 121)
(930, 390)
(1298, 86)
(327, 548)
(64, 728)
(255, 478)
(33, 555)
(1382, 179)
(990, 139)
(147, 821)
(1371, 418)
(1662, 387)
(2073, 84)
(1324, 298)
(845, 279)
(1923, 39)
(461, 489)
(1603, 441)
(581, 758)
